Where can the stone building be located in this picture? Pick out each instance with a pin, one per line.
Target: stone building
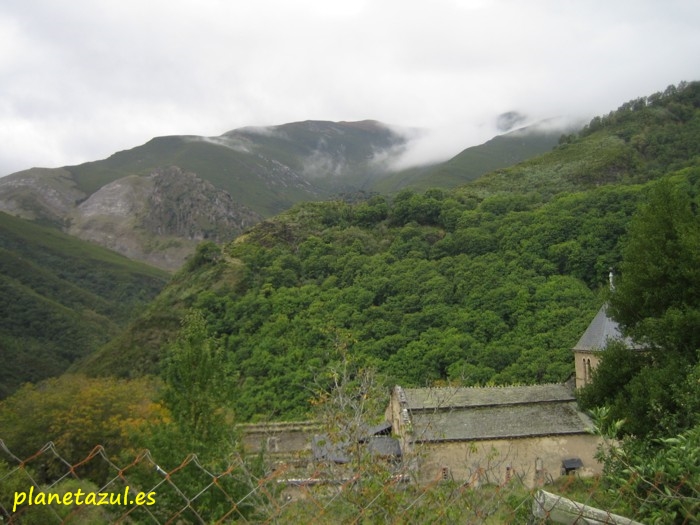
(595, 339)
(303, 453)
(491, 435)
(474, 435)
(281, 441)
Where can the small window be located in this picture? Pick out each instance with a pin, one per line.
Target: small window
(588, 371)
(539, 465)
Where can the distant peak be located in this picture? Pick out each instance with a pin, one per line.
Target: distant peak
(363, 124)
(509, 120)
(313, 125)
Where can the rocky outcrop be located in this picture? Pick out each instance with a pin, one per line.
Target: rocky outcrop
(159, 218)
(48, 195)
(183, 205)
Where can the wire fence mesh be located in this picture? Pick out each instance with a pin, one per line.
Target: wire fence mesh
(47, 488)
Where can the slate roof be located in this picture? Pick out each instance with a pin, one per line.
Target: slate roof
(500, 422)
(377, 439)
(449, 398)
(599, 332)
(384, 446)
(382, 429)
(323, 449)
(467, 414)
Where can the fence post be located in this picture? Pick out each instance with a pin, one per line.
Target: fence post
(562, 510)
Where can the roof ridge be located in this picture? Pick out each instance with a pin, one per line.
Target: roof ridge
(475, 387)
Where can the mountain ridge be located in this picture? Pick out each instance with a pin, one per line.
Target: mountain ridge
(250, 173)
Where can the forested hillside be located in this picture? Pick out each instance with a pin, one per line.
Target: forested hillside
(62, 298)
(491, 283)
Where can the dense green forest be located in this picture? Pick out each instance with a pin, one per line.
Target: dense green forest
(421, 301)
(62, 298)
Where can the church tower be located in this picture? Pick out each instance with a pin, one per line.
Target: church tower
(587, 351)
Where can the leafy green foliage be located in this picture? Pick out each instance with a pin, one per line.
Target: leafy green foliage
(658, 480)
(201, 428)
(438, 291)
(79, 413)
(658, 298)
(654, 393)
(62, 298)
(196, 382)
(137, 349)
(658, 304)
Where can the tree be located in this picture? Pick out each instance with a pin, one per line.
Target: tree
(197, 385)
(652, 395)
(658, 298)
(657, 481)
(206, 253)
(78, 413)
(657, 303)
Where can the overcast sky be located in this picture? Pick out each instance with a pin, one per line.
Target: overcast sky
(82, 79)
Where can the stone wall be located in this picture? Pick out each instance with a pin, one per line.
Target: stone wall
(535, 460)
(585, 362)
(288, 438)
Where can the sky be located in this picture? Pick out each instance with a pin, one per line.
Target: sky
(82, 79)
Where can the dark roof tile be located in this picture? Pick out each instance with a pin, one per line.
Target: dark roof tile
(500, 422)
(460, 397)
(601, 330)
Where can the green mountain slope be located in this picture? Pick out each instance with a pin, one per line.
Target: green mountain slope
(642, 140)
(155, 202)
(499, 152)
(265, 169)
(492, 282)
(61, 299)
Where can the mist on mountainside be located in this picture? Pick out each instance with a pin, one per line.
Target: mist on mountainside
(435, 145)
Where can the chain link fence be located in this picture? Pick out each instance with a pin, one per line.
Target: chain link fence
(46, 488)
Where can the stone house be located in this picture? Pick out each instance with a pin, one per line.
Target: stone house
(303, 452)
(490, 435)
(282, 441)
(474, 435)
